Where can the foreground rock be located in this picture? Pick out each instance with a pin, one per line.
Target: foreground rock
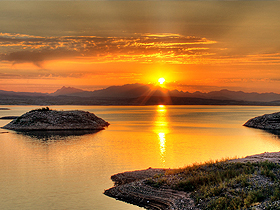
(45, 119)
(267, 121)
(133, 187)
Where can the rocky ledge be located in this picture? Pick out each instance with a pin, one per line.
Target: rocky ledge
(46, 119)
(131, 187)
(267, 121)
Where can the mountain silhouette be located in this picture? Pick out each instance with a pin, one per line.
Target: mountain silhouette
(124, 91)
(66, 91)
(137, 94)
(140, 90)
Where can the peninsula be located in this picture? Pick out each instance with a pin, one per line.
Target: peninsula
(247, 183)
(47, 119)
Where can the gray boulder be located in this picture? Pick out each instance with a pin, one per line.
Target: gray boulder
(267, 121)
(46, 119)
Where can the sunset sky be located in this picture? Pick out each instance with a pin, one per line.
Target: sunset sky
(194, 45)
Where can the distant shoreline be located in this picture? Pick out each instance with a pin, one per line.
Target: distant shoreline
(132, 186)
(80, 101)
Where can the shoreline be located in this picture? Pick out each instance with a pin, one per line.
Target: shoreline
(132, 187)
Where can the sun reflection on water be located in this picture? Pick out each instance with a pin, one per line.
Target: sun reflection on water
(161, 129)
(161, 137)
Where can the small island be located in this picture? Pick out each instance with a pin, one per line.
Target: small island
(4, 108)
(251, 183)
(47, 119)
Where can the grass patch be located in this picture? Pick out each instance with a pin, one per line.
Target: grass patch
(225, 185)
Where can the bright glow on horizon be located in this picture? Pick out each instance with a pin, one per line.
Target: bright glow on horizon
(161, 80)
(93, 53)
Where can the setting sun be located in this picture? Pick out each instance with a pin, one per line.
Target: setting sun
(161, 80)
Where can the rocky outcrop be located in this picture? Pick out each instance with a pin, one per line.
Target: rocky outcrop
(131, 187)
(45, 119)
(131, 176)
(267, 121)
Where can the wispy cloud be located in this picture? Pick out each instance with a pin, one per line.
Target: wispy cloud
(144, 48)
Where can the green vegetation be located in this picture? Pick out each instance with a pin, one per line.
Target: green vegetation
(226, 185)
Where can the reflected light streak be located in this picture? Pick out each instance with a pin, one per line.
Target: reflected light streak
(162, 140)
(161, 129)
(161, 108)
(160, 124)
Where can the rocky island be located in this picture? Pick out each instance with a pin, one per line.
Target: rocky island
(246, 183)
(267, 122)
(47, 119)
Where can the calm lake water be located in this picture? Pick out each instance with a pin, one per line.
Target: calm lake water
(71, 170)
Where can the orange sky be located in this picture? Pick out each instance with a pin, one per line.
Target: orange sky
(204, 45)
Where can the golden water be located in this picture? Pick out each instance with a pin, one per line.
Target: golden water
(51, 170)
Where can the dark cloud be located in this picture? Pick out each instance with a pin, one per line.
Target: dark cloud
(37, 57)
(23, 57)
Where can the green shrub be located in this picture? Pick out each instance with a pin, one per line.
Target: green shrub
(194, 178)
(276, 194)
(158, 183)
(226, 202)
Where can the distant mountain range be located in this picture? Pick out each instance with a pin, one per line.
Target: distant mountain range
(66, 91)
(138, 90)
(137, 94)
(12, 93)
